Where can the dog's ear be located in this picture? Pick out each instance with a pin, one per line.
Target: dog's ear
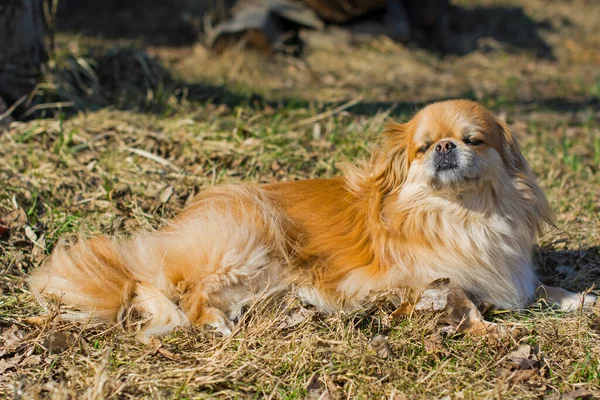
(524, 179)
(391, 161)
(513, 157)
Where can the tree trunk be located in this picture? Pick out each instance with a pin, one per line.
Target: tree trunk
(22, 47)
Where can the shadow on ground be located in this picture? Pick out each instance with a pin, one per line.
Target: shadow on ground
(129, 78)
(486, 28)
(576, 270)
(181, 23)
(153, 22)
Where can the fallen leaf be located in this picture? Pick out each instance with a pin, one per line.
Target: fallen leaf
(39, 250)
(119, 191)
(315, 389)
(58, 342)
(448, 330)
(433, 343)
(30, 234)
(519, 375)
(15, 219)
(579, 394)
(31, 361)
(38, 320)
(10, 363)
(10, 340)
(381, 346)
(523, 358)
(404, 310)
(165, 194)
(297, 317)
(435, 297)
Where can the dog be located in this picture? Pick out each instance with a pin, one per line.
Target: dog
(446, 195)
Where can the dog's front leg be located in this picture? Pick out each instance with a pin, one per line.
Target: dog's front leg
(565, 300)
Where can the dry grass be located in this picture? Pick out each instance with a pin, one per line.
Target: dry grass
(149, 140)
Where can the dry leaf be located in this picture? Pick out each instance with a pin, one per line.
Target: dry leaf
(435, 297)
(31, 361)
(519, 375)
(165, 194)
(321, 388)
(523, 358)
(39, 250)
(58, 342)
(38, 320)
(10, 363)
(405, 309)
(30, 234)
(458, 311)
(296, 317)
(10, 340)
(433, 344)
(15, 219)
(579, 394)
(315, 389)
(382, 347)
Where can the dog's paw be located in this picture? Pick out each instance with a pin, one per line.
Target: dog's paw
(567, 301)
(216, 319)
(578, 301)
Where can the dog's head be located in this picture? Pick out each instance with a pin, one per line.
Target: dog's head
(453, 146)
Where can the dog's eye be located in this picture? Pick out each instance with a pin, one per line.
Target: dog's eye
(472, 141)
(424, 148)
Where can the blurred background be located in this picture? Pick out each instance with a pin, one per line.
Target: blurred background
(162, 53)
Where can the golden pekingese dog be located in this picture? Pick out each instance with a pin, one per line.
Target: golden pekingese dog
(446, 195)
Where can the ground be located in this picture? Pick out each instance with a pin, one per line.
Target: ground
(146, 125)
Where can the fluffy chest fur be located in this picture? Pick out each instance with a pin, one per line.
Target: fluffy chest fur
(478, 239)
(356, 243)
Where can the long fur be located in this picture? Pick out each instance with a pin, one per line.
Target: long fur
(380, 225)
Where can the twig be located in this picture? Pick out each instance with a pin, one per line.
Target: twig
(152, 157)
(59, 104)
(13, 107)
(327, 114)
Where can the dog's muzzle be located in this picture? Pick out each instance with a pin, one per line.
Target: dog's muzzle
(446, 163)
(445, 156)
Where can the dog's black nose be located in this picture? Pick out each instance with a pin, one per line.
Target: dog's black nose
(444, 147)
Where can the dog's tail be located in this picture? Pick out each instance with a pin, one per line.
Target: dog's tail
(95, 277)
